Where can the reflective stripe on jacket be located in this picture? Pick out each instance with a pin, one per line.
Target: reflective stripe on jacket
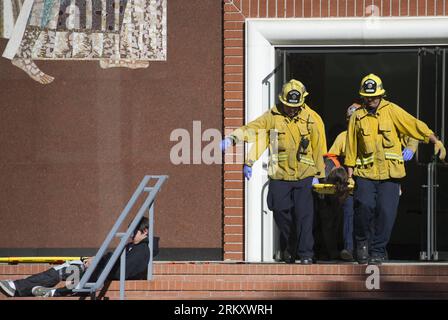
(338, 147)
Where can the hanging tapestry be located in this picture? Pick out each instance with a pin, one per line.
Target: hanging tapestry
(117, 33)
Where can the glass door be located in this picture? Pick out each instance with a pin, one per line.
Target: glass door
(434, 189)
(270, 247)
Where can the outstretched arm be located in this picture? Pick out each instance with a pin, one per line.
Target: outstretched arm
(248, 132)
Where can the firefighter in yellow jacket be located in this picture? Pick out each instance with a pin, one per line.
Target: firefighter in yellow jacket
(338, 150)
(296, 157)
(374, 157)
(257, 149)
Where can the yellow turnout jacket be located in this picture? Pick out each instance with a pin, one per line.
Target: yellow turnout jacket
(284, 136)
(373, 145)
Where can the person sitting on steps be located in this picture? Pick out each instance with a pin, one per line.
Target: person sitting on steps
(41, 284)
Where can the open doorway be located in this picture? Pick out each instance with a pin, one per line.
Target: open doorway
(414, 78)
(266, 37)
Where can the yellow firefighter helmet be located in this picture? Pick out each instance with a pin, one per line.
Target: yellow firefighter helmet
(371, 86)
(293, 93)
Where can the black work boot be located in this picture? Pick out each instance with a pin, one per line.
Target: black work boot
(362, 252)
(278, 256)
(377, 259)
(347, 255)
(306, 260)
(288, 257)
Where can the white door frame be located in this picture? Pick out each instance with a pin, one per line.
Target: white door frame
(263, 35)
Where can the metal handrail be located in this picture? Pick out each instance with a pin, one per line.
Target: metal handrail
(148, 205)
(263, 212)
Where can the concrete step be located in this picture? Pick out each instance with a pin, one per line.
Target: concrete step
(221, 280)
(204, 268)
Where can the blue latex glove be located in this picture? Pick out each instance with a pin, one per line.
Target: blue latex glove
(247, 171)
(407, 154)
(315, 180)
(225, 144)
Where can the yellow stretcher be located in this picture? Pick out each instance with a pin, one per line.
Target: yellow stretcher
(52, 260)
(327, 188)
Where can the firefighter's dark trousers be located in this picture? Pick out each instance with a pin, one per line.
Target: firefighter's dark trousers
(292, 204)
(348, 209)
(376, 204)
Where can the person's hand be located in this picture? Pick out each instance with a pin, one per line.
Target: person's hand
(225, 144)
(315, 181)
(439, 147)
(247, 171)
(408, 154)
(87, 262)
(351, 182)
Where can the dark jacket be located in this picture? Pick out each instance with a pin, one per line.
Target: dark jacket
(137, 259)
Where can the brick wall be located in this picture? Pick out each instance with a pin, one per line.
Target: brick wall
(93, 134)
(235, 13)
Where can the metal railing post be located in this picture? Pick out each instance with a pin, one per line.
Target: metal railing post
(419, 66)
(112, 233)
(120, 250)
(431, 253)
(123, 242)
(151, 241)
(442, 130)
(263, 212)
(429, 217)
(122, 273)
